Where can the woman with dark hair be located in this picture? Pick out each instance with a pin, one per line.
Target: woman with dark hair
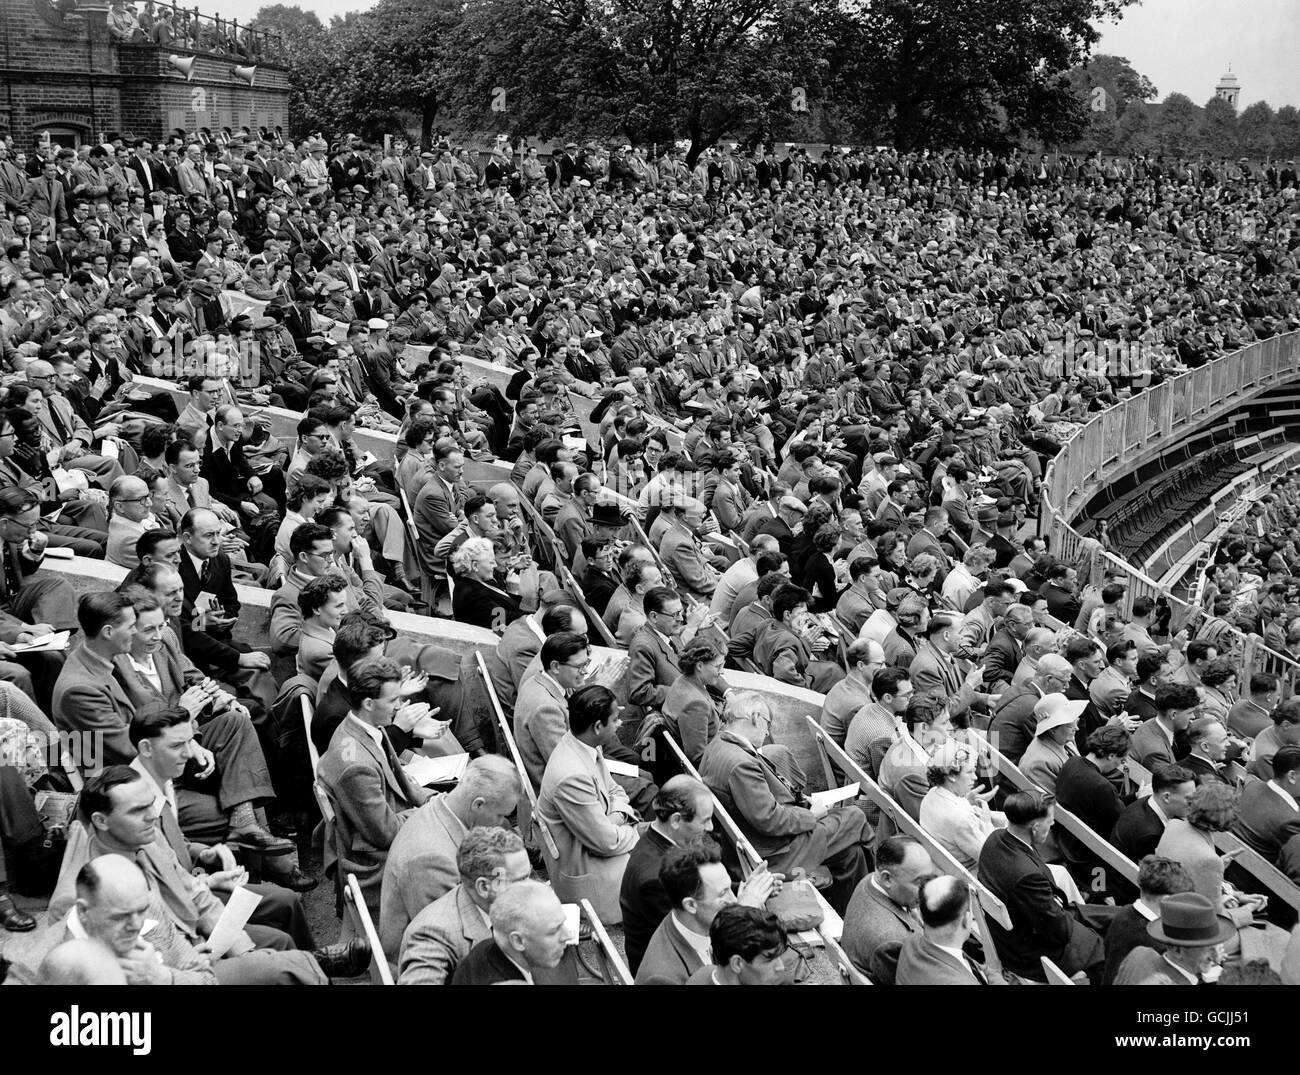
(690, 710)
(818, 576)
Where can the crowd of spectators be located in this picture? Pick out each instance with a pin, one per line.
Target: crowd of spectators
(753, 412)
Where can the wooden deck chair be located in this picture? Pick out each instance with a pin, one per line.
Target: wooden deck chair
(1258, 873)
(747, 858)
(430, 573)
(849, 974)
(615, 970)
(378, 964)
(1108, 853)
(308, 712)
(552, 853)
(1055, 976)
(986, 905)
(596, 622)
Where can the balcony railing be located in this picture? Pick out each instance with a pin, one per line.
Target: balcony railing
(1118, 438)
(183, 29)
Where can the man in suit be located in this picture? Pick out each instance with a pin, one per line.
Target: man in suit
(371, 794)
(1043, 921)
(1192, 933)
(488, 861)
(682, 550)
(437, 507)
(529, 936)
(697, 886)
(1157, 741)
(881, 916)
(936, 955)
(773, 815)
(230, 478)
(1157, 878)
(113, 906)
(864, 596)
(543, 702)
(1268, 819)
(212, 608)
(1138, 829)
(927, 540)
(850, 694)
(934, 672)
(43, 199)
(652, 654)
(313, 547)
(89, 703)
(1006, 647)
(591, 820)
(522, 641)
(421, 864)
(683, 814)
(1207, 747)
(120, 815)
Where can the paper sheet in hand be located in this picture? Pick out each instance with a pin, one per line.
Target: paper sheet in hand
(239, 908)
(51, 642)
(425, 771)
(621, 768)
(835, 795)
(366, 460)
(57, 552)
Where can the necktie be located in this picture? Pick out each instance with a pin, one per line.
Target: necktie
(62, 429)
(189, 497)
(977, 970)
(205, 576)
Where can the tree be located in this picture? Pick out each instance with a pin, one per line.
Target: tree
(649, 72)
(1134, 133)
(306, 51)
(1116, 76)
(1217, 134)
(368, 69)
(976, 72)
(1286, 132)
(1175, 130)
(1255, 131)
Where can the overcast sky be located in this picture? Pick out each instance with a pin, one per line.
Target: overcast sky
(1181, 45)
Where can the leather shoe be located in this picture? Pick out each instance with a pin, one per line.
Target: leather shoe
(347, 960)
(14, 920)
(295, 879)
(260, 840)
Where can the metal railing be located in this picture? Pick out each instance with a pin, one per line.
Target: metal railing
(1117, 439)
(189, 30)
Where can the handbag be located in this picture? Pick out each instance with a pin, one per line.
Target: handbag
(796, 906)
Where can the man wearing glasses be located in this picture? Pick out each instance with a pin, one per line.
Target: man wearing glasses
(130, 502)
(68, 432)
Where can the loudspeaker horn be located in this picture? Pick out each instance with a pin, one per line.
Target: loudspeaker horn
(183, 64)
(245, 74)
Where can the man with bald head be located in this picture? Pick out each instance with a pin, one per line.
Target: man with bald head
(132, 515)
(741, 574)
(682, 550)
(79, 963)
(866, 657)
(113, 905)
(68, 432)
(1039, 642)
(421, 864)
(528, 936)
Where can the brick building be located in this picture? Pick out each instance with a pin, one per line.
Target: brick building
(66, 74)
